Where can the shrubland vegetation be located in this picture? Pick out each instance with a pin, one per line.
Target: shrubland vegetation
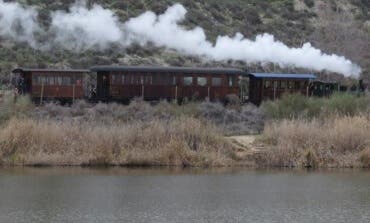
(231, 119)
(11, 107)
(317, 132)
(295, 132)
(163, 134)
(296, 106)
(339, 141)
(183, 141)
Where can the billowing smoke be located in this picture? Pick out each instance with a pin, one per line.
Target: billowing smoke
(97, 28)
(83, 28)
(18, 22)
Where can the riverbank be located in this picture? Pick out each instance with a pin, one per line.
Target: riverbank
(342, 142)
(138, 134)
(196, 134)
(339, 141)
(179, 142)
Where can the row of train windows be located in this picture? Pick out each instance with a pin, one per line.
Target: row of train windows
(202, 81)
(285, 84)
(169, 80)
(139, 80)
(55, 80)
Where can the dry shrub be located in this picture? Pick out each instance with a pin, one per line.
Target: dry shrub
(365, 157)
(334, 142)
(240, 120)
(180, 142)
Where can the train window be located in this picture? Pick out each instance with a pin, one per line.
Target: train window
(43, 80)
(267, 84)
(188, 81)
(51, 81)
(173, 78)
(123, 79)
(66, 81)
(115, 79)
(283, 84)
(35, 80)
(202, 81)
(148, 80)
(58, 80)
(297, 85)
(231, 81)
(290, 84)
(155, 79)
(276, 84)
(136, 79)
(216, 81)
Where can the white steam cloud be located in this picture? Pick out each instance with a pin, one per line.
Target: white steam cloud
(97, 28)
(83, 28)
(17, 22)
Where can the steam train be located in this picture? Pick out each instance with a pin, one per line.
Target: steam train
(123, 83)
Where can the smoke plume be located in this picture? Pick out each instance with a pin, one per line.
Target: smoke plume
(83, 28)
(18, 22)
(97, 28)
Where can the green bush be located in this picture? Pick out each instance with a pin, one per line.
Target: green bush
(309, 3)
(14, 107)
(347, 104)
(289, 106)
(299, 106)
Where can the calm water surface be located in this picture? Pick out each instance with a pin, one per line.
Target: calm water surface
(127, 195)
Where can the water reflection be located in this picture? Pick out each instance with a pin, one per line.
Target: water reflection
(178, 195)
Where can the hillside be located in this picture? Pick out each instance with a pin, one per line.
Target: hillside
(341, 27)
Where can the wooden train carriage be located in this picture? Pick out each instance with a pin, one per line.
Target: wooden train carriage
(49, 84)
(324, 88)
(267, 86)
(123, 83)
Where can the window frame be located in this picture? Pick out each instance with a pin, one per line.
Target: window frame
(267, 84)
(213, 83)
(66, 80)
(204, 80)
(51, 80)
(186, 79)
(230, 81)
(283, 85)
(115, 79)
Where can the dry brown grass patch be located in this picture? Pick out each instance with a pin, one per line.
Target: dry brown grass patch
(181, 142)
(337, 142)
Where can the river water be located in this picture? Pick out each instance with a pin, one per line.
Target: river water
(163, 195)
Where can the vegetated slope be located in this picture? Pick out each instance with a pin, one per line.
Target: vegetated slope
(340, 27)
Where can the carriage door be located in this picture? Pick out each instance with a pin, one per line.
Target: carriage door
(27, 84)
(103, 85)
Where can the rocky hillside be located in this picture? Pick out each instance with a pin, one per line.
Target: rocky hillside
(335, 26)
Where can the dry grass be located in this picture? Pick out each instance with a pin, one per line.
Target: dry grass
(180, 142)
(336, 142)
(365, 157)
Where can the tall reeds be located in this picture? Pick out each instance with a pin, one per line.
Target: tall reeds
(181, 142)
(338, 141)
